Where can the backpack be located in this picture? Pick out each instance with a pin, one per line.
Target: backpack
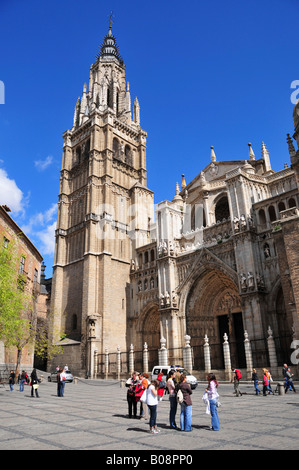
(180, 397)
(162, 384)
(238, 374)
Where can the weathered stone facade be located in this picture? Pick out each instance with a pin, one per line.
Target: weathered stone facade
(221, 256)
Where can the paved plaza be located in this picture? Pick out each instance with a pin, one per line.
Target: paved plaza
(93, 416)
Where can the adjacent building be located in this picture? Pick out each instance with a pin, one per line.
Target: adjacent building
(29, 267)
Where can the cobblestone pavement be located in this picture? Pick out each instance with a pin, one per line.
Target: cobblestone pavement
(93, 416)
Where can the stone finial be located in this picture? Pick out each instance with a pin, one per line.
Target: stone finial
(213, 156)
(136, 111)
(177, 197)
(270, 332)
(266, 158)
(292, 150)
(251, 152)
(183, 182)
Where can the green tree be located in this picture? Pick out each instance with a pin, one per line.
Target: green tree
(17, 315)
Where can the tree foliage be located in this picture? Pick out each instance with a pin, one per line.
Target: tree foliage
(17, 316)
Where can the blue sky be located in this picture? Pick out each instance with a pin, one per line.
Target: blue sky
(205, 73)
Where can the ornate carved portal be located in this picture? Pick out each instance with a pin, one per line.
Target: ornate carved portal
(148, 328)
(213, 308)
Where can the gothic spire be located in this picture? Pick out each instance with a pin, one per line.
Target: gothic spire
(109, 48)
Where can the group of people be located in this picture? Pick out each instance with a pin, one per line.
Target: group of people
(22, 378)
(149, 393)
(267, 379)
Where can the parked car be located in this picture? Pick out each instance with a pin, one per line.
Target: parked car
(165, 369)
(53, 376)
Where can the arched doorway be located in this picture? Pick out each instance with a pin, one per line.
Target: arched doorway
(213, 307)
(149, 332)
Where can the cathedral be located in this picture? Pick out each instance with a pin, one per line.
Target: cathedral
(220, 257)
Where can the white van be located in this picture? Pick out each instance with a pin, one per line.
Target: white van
(165, 370)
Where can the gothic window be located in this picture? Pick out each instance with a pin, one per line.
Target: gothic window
(86, 149)
(128, 155)
(152, 255)
(115, 147)
(281, 206)
(78, 154)
(146, 257)
(262, 217)
(222, 209)
(272, 213)
(109, 98)
(292, 202)
(117, 103)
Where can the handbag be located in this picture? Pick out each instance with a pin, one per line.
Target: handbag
(143, 396)
(180, 397)
(206, 401)
(35, 386)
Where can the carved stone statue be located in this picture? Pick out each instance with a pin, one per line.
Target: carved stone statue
(174, 299)
(260, 282)
(236, 224)
(243, 281)
(267, 251)
(243, 224)
(250, 280)
(92, 329)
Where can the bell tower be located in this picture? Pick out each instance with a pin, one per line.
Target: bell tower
(104, 212)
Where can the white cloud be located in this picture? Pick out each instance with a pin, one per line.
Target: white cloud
(40, 228)
(47, 239)
(10, 194)
(41, 165)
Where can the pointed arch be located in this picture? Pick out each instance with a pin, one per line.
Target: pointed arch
(148, 327)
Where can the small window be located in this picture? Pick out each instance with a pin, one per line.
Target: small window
(22, 265)
(5, 242)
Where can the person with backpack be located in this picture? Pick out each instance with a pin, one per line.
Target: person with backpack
(236, 379)
(186, 405)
